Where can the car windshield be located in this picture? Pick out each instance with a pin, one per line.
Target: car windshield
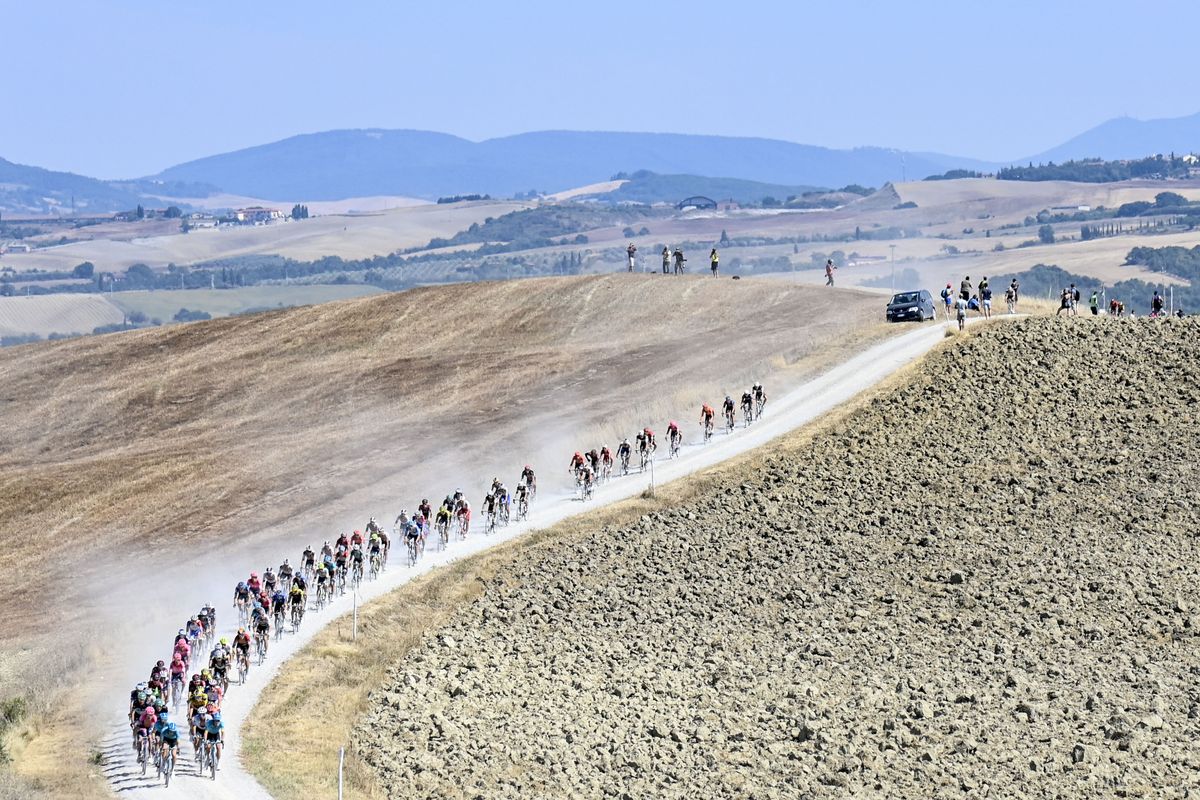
(905, 297)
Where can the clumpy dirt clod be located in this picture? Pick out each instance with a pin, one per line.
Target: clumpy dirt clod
(985, 584)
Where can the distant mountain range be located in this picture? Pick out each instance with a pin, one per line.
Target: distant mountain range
(351, 163)
(359, 163)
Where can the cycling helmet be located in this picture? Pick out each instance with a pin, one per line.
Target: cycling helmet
(358, 533)
(727, 397)
(241, 585)
(224, 641)
(672, 424)
(217, 715)
(196, 676)
(253, 575)
(160, 663)
(240, 630)
(528, 467)
(171, 727)
(211, 709)
(285, 563)
(141, 695)
(178, 659)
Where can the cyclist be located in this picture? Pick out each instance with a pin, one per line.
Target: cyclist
(463, 513)
(214, 731)
(143, 727)
(523, 495)
(425, 509)
(299, 580)
(161, 725)
(372, 527)
(706, 414)
(323, 575)
(587, 480)
(195, 631)
(169, 736)
(178, 669)
(158, 671)
(489, 504)
(326, 550)
(444, 515)
(268, 581)
(412, 533)
(285, 574)
(593, 460)
(296, 597)
(606, 458)
(528, 477)
(576, 464)
(623, 452)
(241, 594)
(673, 434)
(254, 584)
(308, 559)
(748, 404)
(218, 659)
(728, 409)
(262, 628)
(651, 442)
(760, 396)
(342, 543)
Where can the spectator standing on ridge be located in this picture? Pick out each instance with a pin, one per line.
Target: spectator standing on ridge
(1010, 297)
(666, 260)
(631, 251)
(829, 268)
(964, 288)
(983, 284)
(714, 260)
(948, 298)
(1156, 305)
(960, 308)
(1016, 290)
(1064, 303)
(1112, 307)
(1074, 301)
(679, 261)
(1095, 303)
(986, 298)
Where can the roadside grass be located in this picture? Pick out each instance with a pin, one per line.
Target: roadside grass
(41, 736)
(292, 737)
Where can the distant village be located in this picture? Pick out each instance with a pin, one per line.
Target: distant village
(252, 215)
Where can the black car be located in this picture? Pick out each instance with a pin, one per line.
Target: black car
(915, 305)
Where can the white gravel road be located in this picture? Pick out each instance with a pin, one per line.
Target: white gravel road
(805, 404)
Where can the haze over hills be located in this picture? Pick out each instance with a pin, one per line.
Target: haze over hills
(340, 164)
(348, 163)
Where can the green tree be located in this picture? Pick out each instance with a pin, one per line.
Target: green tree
(1169, 200)
(724, 236)
(139, 276)
(141, 212)
(1046, 234)
(299, 212)
(173, 212)
(85, 270)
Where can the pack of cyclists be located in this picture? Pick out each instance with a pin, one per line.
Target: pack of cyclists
(170, 700)
(596, 465)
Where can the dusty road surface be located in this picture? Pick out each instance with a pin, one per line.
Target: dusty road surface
(202, 451)
(982, 584)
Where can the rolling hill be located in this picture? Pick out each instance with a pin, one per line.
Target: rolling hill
(350, 163)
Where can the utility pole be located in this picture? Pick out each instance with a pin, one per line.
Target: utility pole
(893, 267)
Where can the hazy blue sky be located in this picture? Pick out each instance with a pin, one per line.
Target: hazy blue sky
(121, 89)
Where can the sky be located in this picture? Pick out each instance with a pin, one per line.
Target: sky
(124, 88)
